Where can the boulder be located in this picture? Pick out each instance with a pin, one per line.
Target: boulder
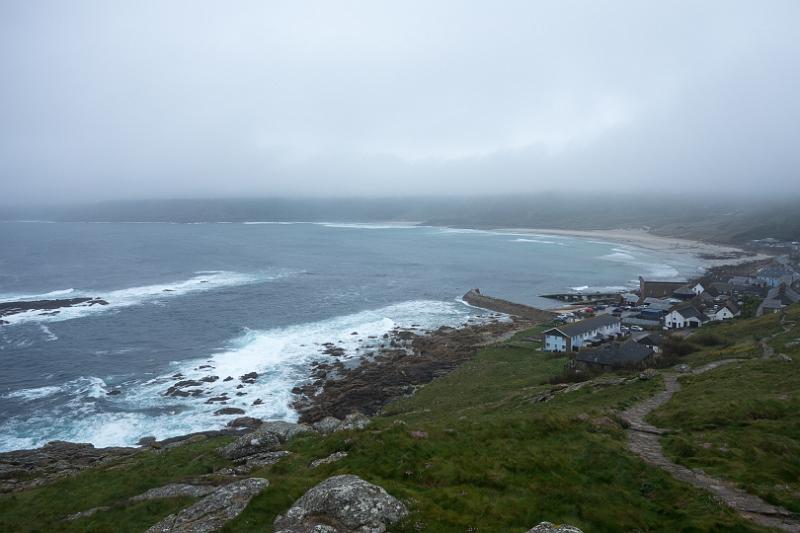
(332, 458)
(245, 422)
(175, 490)
(343, 504)
(327, 425)
(647, 374)
(267, 438)
(213, 511)
(547, 527)
(354, 421)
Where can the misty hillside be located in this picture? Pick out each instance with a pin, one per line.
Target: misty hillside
(727, 221)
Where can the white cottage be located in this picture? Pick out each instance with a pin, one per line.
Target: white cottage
(570, 337)
(725, 312)
(687, 316)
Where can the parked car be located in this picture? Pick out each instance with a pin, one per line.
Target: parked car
(637, 328)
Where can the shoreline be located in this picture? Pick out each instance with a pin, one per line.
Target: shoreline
(713, 254)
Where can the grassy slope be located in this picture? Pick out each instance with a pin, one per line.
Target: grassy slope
(493, 460)
(742, 422)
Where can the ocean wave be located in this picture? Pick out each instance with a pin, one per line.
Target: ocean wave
(120, 298)
(540, 241)
(82, 410)
(355, 225)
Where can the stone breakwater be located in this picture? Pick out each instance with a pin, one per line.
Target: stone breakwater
(475, 298)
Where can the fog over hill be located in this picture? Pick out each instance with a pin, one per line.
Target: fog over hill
(732, 220)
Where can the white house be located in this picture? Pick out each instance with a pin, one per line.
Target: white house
(570, 337)
(725, 312)
(686, 316)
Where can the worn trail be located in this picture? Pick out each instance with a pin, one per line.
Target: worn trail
(643, 440)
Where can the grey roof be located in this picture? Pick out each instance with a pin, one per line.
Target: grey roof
(770, 303)
(690, 311)
(786, 295)
(585, 326)
(616, 354)
(772, 272)
(650, 338)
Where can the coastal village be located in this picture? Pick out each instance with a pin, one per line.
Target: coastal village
(630, 329)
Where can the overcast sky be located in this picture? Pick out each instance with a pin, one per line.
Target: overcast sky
(113, 99)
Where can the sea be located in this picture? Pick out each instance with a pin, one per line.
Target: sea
(199, 300)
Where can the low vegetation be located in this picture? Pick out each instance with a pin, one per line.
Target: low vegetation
(476, 451)
(742, 422)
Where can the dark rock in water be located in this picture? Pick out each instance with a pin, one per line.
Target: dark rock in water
(12, 308)
(177, 376)
(209, 379)
(229, 378)
(241, 394)
(215, 510)
(195, 392)
(258, 401)
(4, 322)
(240, 386)
(222, 398)
(245, 422)
(250, 377)
(175, 389)
(343, 504)
(229, 411)
(297, 390)
(114, 392)
(354, 333)
(201, 367)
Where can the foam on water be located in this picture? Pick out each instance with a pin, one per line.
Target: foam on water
(81, 410)
(203, 281)
(651, 267)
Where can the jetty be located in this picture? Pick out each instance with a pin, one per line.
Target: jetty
(474, 297)
(584, 297)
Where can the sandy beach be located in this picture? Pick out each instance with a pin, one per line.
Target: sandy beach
(714, 254)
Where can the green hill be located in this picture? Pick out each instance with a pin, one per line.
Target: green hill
(487, 455)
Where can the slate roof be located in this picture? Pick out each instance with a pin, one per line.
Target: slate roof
(585, 326)
(690, 311)
(616, 354)
(785, 295)
(659, 289)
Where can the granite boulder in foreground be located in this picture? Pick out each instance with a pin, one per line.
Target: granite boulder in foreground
(342, 504)
(213, 511)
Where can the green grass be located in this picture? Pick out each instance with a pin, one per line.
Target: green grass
(741, 422)
(493, 460)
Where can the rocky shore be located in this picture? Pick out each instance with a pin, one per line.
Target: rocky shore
(411, 359)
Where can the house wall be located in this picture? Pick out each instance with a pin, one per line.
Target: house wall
(578, 340)
(555, 343)
(723, 314)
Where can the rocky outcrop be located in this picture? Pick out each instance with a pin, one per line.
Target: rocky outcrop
(332, 458)
(52, 461)
(547, 527)
(414, 360)
(213, 511)
(51, 306)
(175, 490)
(267, 438)
(342, 504)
